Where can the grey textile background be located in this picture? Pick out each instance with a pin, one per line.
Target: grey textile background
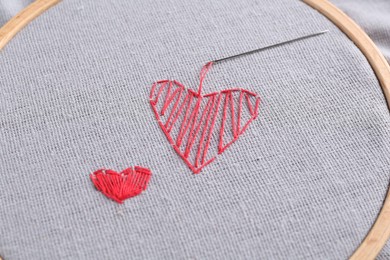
(304, 182)
(9, 8)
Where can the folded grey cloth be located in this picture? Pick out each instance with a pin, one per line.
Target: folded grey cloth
(9, 8)
(374, 17)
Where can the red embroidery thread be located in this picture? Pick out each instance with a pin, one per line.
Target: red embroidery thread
(189, 127)
(121, 186)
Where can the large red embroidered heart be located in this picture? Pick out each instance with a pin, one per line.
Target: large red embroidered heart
(123, 185)
(201, 126)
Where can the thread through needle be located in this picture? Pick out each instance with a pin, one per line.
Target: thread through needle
(270, 46)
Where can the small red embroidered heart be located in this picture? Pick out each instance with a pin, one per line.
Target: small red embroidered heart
(190, 120)
(123, 185)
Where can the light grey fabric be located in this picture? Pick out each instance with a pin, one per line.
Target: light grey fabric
(385, 253)
(305, 181)
(9, 8)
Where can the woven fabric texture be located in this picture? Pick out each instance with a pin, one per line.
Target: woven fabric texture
(305, 181)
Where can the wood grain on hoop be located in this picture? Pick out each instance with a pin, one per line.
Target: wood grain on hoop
(380, 231)
(13, 26)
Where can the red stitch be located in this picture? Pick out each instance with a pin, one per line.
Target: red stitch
(212, 127)
(192, 137)
(123, 185)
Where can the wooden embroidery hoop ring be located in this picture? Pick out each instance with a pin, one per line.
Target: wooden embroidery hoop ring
(380, 231)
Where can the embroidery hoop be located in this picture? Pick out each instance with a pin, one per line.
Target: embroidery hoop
(379, 233)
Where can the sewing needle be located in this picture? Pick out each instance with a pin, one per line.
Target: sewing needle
(270, 46)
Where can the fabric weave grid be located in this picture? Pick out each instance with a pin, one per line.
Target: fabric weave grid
(74, 98)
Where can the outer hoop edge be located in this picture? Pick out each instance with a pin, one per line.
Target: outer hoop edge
(380, 230)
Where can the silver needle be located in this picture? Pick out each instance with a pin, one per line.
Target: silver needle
(271, 46)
